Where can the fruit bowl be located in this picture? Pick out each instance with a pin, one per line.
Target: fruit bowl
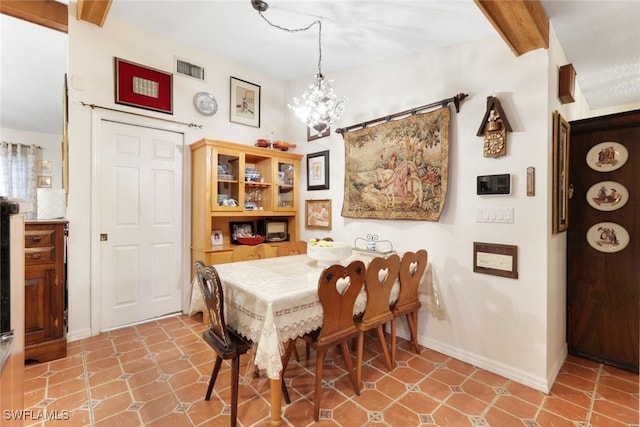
(329, 253)
(252, 240)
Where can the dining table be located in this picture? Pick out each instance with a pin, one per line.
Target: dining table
(272, 300)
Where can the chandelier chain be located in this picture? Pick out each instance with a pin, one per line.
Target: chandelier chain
(297, 30)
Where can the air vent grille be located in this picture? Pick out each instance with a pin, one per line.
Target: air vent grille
(188, 69)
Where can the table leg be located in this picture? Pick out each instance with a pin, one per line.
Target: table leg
(276, 401)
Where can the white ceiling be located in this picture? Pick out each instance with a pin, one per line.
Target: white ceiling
(600, 38)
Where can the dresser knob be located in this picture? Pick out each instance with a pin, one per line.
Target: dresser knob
(36, 239)
(36, 256)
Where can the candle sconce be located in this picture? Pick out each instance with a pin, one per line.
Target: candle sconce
(371, 244)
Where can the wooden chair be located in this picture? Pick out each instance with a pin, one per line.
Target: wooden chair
(337, 323)
(246, 252)
(292, 248)
(412, 267)
(382, 273)
(226, 344)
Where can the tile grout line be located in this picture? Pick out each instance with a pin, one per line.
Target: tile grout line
(85, 370)
(594, 395)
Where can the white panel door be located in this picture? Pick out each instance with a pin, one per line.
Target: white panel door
(141, 220)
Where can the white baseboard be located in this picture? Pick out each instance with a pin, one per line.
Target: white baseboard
(78, 335)
(538, 383)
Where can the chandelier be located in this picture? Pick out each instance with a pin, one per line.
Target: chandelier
(318, 107)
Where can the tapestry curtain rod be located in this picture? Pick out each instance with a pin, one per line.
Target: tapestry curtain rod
(191, 125)
(455, 99)
(15, 144)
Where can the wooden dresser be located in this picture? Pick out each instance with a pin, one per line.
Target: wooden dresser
(45, 308)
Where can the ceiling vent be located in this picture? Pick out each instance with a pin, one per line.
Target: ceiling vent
(188, 69)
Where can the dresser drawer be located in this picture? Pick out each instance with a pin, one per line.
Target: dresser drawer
(39, 238)
(40, 255)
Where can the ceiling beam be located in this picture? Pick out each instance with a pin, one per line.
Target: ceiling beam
(523, 24)
(48, 13)
(94, 11)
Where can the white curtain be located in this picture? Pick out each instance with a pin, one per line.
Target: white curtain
(18, 172)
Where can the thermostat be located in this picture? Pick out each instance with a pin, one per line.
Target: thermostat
(494, 184)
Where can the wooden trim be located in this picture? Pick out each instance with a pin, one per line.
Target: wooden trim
(523, 24)
(48, 13)
(94, 11)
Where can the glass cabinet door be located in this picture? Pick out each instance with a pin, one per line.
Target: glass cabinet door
(226, 182)
(286, 185)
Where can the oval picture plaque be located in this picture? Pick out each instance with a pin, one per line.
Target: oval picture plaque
(607, 156)
(607, 196)
(608, 237)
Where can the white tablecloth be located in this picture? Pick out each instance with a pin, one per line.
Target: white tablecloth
(272, 300)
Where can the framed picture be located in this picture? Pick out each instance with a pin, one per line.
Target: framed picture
(44, 166)
(217, 239)
(242, 229)
(245, 103)
(318, 214)
(143, 87)
(560, 202)
(44, 182)
(314, 136)
(495, 259)
(318, 171)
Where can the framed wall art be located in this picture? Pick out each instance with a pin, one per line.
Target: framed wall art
(318, 214)
(560, 202)
(314, 136)
(245, 103)
(318, 171)
(495, 259)
(44, 181)
(143, 87)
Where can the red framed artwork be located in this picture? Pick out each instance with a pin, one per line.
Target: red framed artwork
(143, 87)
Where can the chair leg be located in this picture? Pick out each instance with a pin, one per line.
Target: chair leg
(214, 375)
(318, 388)
(347, 361)
(235, 374)
(393, 341)
(383, 344)
(412, 320)
(359, 357)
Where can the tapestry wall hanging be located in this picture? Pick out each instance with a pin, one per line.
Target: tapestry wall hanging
(398, 170)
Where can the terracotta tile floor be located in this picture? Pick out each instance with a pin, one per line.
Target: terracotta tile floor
(155, 374)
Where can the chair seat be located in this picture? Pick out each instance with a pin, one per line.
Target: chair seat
(381, 319)
(400, 309)
(237, 347)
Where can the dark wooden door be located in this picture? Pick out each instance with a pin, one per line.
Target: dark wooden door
(603, 275)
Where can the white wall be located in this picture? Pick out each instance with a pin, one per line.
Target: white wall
(497, 323)
(514, 327)
(91, 80)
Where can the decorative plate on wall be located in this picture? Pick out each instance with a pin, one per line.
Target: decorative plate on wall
(607, 196)
(608, 237)
(607, 156)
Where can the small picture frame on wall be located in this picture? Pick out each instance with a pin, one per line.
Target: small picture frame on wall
(45, 166)
(318, 171)
(44, 181)
(313, 136)
(495, 259)
(143, 87)
(318, 214)
(245, 103)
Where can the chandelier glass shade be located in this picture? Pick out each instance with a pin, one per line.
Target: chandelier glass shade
(318, 107)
